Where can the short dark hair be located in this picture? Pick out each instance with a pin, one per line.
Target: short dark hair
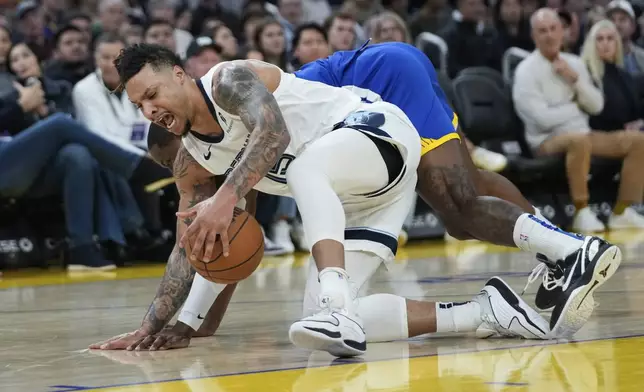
(156, 22)
(65, 29)
(297, 35)
(72, 15)
(338, 15)
(109, 38)
(133, 58)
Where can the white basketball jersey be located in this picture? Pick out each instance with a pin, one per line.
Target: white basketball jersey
(310, 110)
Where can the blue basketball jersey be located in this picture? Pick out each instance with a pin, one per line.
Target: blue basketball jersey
(397, 73)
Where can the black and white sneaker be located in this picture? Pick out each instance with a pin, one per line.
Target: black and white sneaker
(550, 289)
(584, 271)
(336, 331)
(505, 314)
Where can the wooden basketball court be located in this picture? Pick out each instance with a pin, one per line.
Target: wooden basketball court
(49, 318)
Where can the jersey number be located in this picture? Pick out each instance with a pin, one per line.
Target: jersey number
(278, 172)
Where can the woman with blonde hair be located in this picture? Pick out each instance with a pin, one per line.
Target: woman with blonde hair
(604, 56)
(387, 27)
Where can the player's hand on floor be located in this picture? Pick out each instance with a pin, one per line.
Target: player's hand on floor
(175, 337)
(120, 342)
(211, 217)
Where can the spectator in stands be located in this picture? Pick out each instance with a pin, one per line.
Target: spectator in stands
(183, 15)
(221, 34)
(108, 112)
(71, 56)
(363, 10)
(316, 11)
(250, 22)
(602, 54)
(310, 43)
(160, 32)
(30, 28)
(270, 42)
(290, 15)
(203, 54)
(210, 9)
(622, 14)
(513, 28)
(470, 41)
(387, 27)
(53, 12)
(83, 22)
(5, 45)
(112, 15)
(53, 154)
(340, 28)
(399, 7)
(132, 31)
(553, 94)
(433, 17)
(164, 10)
(571, 37)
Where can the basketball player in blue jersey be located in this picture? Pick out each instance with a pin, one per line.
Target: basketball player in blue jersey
(158, 84)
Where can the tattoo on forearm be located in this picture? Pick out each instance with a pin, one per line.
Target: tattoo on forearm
(177, 280)
(238, 90)
(451, 192)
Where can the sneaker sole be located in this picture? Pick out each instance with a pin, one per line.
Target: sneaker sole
(581, 302)
(305, 338)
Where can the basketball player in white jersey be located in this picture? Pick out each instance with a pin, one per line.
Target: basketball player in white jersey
(351, 167)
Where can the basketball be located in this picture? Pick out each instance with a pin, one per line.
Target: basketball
(246, 252)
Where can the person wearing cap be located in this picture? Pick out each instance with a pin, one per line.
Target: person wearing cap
(202, 54)
(621, 13)
(30, 28)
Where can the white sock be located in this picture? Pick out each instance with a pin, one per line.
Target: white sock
(334, 287)
(384, 317)
(457, 316)
(534, 235)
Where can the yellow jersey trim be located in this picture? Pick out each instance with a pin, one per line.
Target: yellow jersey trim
(428, 144)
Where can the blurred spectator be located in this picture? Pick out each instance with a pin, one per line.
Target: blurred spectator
(310, 43)
(250, 22)
(207, 9)
(132, 31)
(54, 154)
(471, 42)
(622, 14)
(433, 16)
(571, 34)
(270, 42)
(316, 11)
(290, 15)
(83, 22)
(553, 94)
(203, 54)
(223, 37)
(184, 18)
(603, 55)
(362, 10)
(340, 29)
(71, 56)
(5, 45)
(160, 32)
(112, 15)
(513, 28)
(529, 7)
(53, 12)
(164, 10)
(108, 112)
(30, 28)
(387, 27)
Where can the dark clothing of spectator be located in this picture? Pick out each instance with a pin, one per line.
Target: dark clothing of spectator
(470, 45)
(432, 22)
(621, 101)
(69, 72)
(520, 39)
(202, 13)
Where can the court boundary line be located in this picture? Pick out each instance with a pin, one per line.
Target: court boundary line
(465, 351)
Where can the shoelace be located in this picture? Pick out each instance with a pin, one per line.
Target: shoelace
(549, 281)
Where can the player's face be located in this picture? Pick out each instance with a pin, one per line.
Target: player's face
(161, 97)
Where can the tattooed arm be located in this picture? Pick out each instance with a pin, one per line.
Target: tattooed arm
(195, 184)
(239, 90)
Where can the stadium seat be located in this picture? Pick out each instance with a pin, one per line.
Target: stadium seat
(511, 59)
(435, 48)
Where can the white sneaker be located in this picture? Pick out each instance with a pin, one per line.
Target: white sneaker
(587, 222)
(281, 231)
(271, 248)
(629, 219)
(505, 314)
(336, 331)
(489, 160)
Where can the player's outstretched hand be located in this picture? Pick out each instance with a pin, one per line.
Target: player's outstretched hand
(120, 342)
(175, 337)
(210, 218)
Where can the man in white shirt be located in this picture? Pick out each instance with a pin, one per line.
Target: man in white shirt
(554, 94)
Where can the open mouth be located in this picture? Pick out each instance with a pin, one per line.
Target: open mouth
(167, 120)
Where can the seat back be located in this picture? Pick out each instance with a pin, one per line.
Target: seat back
(435, 48)
(511, 59)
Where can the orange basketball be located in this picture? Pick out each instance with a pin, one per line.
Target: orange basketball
(246, 252)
